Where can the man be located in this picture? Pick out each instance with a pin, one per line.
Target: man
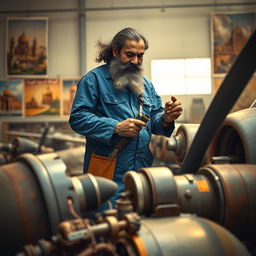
(107, 103)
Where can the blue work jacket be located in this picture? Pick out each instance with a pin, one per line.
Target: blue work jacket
(98, 106)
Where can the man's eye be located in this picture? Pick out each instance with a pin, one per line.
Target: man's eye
(129, 55)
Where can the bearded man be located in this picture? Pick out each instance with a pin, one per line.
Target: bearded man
(106, 107)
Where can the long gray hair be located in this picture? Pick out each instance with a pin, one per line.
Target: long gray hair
(105, 50)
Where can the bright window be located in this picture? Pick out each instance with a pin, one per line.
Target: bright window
(181, 76)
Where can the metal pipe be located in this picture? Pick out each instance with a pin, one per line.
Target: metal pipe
(119, 8)
(82, 37)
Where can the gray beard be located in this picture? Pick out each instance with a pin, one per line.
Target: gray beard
(126, 76)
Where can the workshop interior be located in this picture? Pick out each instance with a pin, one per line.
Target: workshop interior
(197, 198)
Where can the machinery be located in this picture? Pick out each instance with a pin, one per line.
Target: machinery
(122, 232)
(232, 143)
(37, 194)
(49, 139)
(48, 212)
(54, 209)
(174, 149)
(223, 193)
(234, 140)
(73, 159)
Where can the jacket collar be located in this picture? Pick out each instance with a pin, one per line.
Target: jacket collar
(107, 73)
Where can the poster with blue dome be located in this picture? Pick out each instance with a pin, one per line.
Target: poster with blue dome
(27, 47)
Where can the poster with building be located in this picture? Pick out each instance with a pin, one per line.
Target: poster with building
(11, 93)
(230, 32)
(27, 47)
(68, 93)
(42, 97)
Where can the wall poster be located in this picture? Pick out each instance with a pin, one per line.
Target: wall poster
(69, 86)
(230, 32)
(11, 94)
(42, 97)
(27, 47)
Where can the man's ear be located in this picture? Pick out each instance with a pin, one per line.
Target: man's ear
(114, 51)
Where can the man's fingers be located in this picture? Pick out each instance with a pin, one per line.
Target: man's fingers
(173, 98)
(175, 109)
(139, 122)
(172, 104)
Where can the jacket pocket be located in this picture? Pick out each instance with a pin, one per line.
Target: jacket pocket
(111, 99)
(115, 107)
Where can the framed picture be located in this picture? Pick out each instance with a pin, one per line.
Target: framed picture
(42, 97)
(69, 86)
(230, 32)
(27, 47)
(11, 94)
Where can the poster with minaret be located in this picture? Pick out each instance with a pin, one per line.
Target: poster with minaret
(27, 47)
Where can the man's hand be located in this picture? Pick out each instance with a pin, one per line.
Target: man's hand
(129, 127)
(172, 111)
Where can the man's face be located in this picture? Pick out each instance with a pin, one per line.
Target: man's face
(132, 52)
(125, 67)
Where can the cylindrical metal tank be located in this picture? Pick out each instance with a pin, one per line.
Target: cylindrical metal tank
(178, 236)
(223, 193)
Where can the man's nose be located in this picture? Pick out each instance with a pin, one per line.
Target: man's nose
(135, 60)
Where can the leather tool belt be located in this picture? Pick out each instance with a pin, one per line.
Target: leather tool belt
(102, 166)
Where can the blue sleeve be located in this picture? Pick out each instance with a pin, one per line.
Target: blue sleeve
(83, 119)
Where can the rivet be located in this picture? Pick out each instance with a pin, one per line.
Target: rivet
(188, 193)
